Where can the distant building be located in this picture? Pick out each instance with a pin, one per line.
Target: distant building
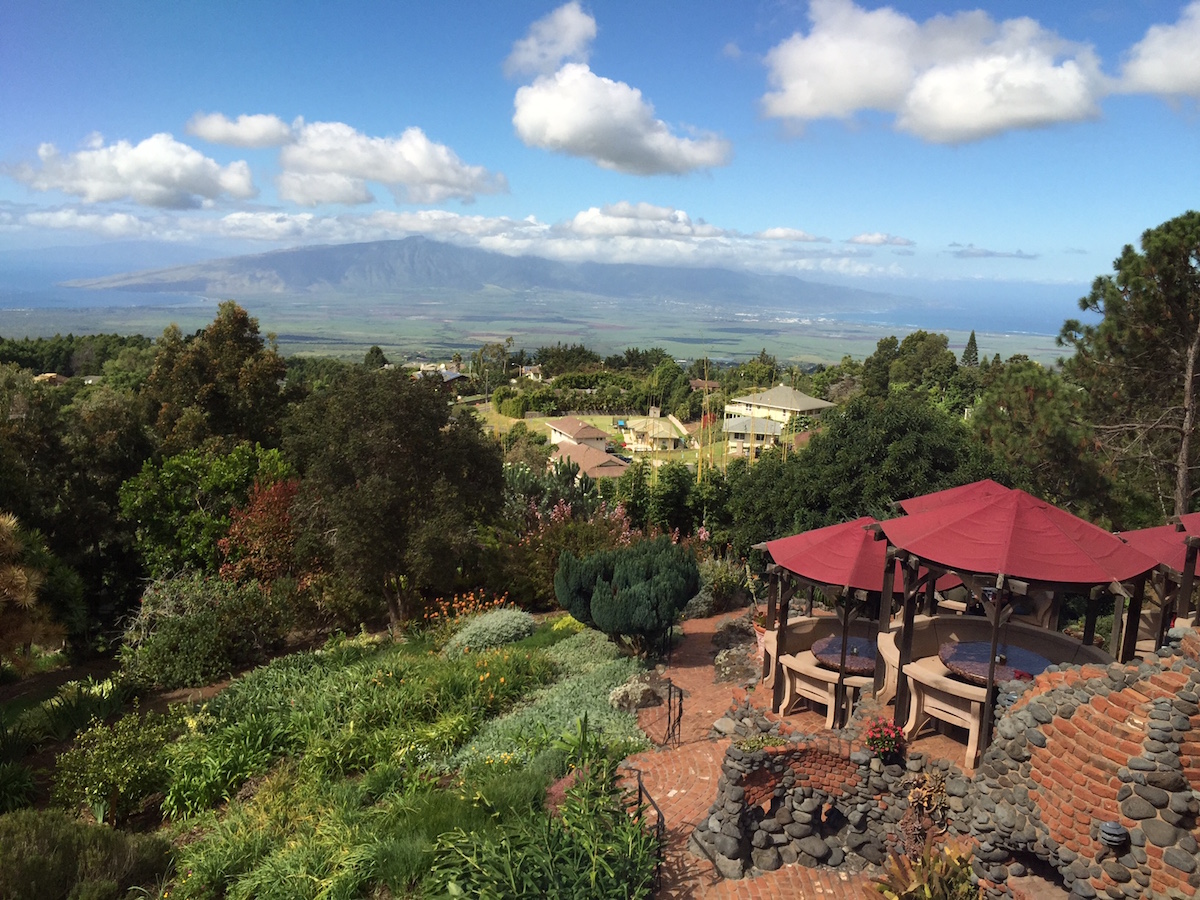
(647, 434)
(746, 436)
(533, 373)
(592, 462)
(570, 430)
(778, 404)
(699, 384)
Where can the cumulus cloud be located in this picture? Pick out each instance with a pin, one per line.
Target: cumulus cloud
(565, 34)
(245, 131)
(639, 219)
(160, 172)
(789, 234)
(948, 80)
(879, 239)
(1166, 60)
(970, 251)
(577, 112)
(113, 225)
(331, 162)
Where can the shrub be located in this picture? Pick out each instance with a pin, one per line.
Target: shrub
(633, 594)
(49, 855)
(592, 847)
(112, 770)
(492, 629)
(192, 630)
(76, 705)
(727, 582)
(16, 786)
(568, 623)
(883, 737)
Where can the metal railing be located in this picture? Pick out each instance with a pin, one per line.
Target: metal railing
(674, 713)
(645, 801)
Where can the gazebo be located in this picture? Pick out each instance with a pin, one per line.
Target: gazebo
(844, 561)
(1175, 546)
(1008, 541)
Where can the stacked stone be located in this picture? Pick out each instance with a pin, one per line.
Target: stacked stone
(816, 800)
(1079, 748)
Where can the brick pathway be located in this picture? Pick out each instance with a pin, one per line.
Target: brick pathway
(683, 781)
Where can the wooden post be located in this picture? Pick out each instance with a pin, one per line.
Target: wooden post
(906, 638)
(989, 699)
(1132, 620)
(1089, 617)
(931, 595)
(786, 591)
(1184, 606)
(885, 613)
(772, 603)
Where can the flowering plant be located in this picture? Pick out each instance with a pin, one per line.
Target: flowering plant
(883, 736)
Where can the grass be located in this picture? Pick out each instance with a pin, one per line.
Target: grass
(353, 753)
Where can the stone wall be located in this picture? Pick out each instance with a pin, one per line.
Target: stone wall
(814, 799)
(1074, 749)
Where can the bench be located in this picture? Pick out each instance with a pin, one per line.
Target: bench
(806, 680)
(937, 694)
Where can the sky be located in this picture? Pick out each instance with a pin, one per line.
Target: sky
(1015, 142)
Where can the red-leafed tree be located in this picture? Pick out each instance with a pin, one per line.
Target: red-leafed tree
(259, 544)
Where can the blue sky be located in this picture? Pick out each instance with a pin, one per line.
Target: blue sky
(1016, 142)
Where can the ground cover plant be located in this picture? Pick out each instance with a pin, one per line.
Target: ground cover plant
(336, 773)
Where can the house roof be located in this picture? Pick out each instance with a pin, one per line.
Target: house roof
(576, 429)
(739, 424)
(785, 398)
(655, 428)
(700, 384)
(592, 462)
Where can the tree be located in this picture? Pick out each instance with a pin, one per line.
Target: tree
(870, 453)
(1032, 419)
(392, 487)
(24, 619)
(221, 382)
(669, 508)
(632, 594)
(181, 508)
(1140, 363)
(970, 354)
(375, 358)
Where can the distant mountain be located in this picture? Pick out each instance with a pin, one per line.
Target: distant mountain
(417, 265)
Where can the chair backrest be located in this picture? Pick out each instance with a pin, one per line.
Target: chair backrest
(805, 631)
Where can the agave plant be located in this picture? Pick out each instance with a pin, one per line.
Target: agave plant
(938, 872)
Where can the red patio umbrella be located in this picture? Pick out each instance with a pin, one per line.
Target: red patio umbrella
(843, 555)
(1017, 535)
(976, 490)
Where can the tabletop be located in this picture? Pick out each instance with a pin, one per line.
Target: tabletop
(969, 661)
(860, 653)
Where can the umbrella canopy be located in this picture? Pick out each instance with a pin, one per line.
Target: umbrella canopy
(1015, 534)
(846, 555)
(1165, 543)
(976, 490)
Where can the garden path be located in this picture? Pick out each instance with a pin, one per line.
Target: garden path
(683, 781)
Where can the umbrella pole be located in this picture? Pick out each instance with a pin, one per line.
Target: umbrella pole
(989, 701)
(1133, 619)
(839, 691)
(906, 640)
(885, 615)
(1184, 604)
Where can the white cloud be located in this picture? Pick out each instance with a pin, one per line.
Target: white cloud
(331, 162)
(950, 79)
(879, 239)
(1167, 59)
(639, 219)
(246, 131)
(160, 171)
(563, 35)
(577, 112)
(113, 225)
(789, 234)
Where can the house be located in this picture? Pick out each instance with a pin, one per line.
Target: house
(592, 462)
(646, 434)
(705, 386)
(778, 404)
(570, 430)
(746, 436)
(533, 373)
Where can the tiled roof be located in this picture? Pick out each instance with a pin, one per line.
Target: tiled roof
(785, 398)
(576, 429)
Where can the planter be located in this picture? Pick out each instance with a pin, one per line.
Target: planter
(759, 632)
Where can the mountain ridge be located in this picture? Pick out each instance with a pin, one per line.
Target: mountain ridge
(418, 264)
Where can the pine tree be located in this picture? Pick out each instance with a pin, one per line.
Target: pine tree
(970, 354)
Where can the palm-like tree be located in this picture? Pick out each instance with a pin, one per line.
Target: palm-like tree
(23, 621)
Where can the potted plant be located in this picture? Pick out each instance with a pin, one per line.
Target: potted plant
(884, 738)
